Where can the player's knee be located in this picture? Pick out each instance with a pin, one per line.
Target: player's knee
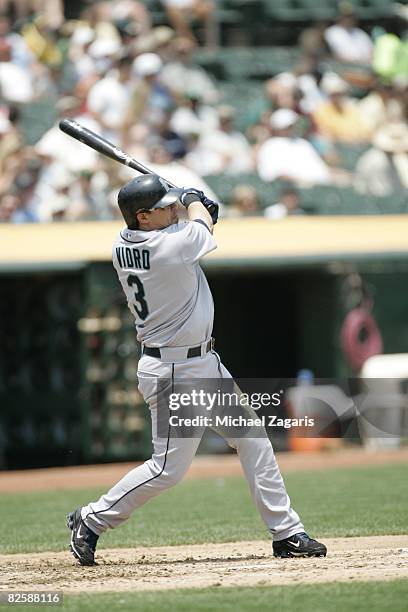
(175, 473)
(172, 477)
(168, 476)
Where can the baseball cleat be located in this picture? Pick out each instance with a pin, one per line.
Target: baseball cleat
(83, 539)
(298, 545)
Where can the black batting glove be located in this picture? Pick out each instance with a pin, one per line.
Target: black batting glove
(212, 207)
(195, 195)
(190, 195)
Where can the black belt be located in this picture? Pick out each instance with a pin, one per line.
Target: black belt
(194, 351)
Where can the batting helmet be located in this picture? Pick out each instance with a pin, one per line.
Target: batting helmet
(145, 192)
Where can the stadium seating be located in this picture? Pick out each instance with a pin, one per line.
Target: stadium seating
(350, 154)
(241, 95)
(36, 119)
(295, 10)
(316, 200)
(303, 10)
(263, 21)
(228, 13)
(241, 73)
(237, 63)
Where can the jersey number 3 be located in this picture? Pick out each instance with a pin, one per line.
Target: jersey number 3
(141, 304)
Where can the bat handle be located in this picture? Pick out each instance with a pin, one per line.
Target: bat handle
(135, 165)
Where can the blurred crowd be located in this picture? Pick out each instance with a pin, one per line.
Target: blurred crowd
(140, 87)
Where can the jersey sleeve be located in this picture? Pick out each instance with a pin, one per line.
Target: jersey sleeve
(195, 241)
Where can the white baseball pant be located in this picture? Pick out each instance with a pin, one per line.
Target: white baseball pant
(172, 457)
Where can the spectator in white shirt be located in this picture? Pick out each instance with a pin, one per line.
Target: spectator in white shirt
(347, 42)
(222, 150)
(54, 146)
(80, 42)
(182, 76)
(383, 170)
(150, 95)
(193, 117)
(62, 158)
(15, 82)
(382, 105)
(20, 53)
(285, 156)
(109, 99)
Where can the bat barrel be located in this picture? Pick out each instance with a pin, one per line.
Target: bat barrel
(100, 144)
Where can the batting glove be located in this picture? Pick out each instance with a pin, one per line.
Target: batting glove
(191, 195)
(212, 207)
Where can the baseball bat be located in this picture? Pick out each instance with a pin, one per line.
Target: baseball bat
(96, 142)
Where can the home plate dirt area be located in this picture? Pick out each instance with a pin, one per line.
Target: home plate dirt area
(208, 565)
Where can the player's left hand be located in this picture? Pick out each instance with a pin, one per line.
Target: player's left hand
(212, 207)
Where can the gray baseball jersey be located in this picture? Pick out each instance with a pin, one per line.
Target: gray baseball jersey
(166, 289)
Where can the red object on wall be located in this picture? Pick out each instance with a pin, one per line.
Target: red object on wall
(360, 337)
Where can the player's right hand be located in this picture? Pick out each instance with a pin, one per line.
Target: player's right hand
(190, 195)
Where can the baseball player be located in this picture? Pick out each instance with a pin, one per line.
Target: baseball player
(157, 261)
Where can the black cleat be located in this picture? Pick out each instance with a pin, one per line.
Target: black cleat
(83, 539)
(298, 545)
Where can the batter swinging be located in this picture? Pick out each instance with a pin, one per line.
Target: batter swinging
(157, 261)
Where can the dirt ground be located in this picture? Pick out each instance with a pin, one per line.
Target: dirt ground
(198, 566)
